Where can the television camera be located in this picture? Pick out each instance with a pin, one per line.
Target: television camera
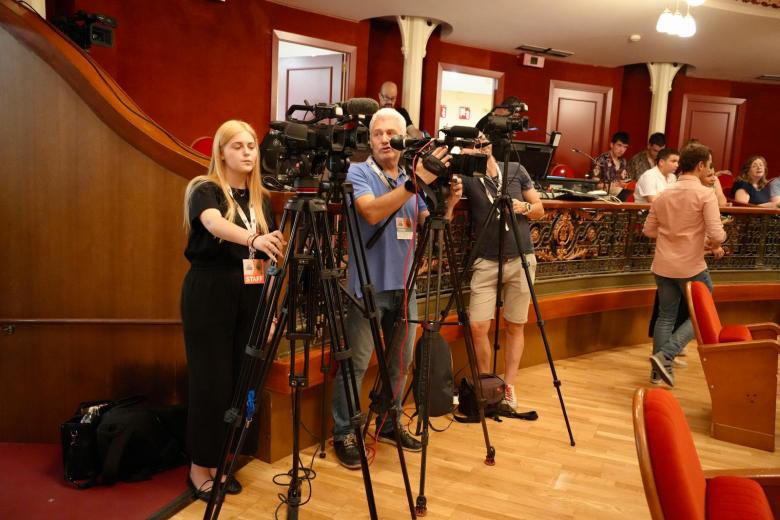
(297, 152)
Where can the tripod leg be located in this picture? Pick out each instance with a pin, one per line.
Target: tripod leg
(253, 374)
(540, 324)
(463, 317)
(328, 275)
(371, 312)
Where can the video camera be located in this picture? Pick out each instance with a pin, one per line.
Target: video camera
(297, 151)
(513, 121)
(461, 137)
(87, 29)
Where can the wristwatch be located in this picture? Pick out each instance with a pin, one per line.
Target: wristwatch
(409, 186)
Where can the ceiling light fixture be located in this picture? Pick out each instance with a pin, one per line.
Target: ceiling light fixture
(676, 24)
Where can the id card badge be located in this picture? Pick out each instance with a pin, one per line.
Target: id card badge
(403, 227)
(253, 271)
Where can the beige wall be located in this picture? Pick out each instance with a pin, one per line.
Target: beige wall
(479, 105)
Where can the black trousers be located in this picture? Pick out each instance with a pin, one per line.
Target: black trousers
(217, 310)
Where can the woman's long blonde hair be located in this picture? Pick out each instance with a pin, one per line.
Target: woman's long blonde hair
(216, 175)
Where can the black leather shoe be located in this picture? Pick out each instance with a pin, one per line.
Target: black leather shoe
(201, 493)
(233, 486)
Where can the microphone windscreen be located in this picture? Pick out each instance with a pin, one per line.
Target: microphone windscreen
(399, 142)
(360, 106)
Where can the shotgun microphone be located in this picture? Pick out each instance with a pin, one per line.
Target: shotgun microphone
(359, 106)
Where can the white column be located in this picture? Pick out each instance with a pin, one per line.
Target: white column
(661, 77)
(415, 32)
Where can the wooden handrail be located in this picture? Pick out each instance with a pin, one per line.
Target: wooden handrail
(98, 90)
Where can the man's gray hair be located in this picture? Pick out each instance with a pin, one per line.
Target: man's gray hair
(389, 113)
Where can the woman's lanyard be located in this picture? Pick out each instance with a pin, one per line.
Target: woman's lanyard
(251, 224)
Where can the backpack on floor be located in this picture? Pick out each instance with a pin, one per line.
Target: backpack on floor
(135, 442)
(493, 392)
(440, 386)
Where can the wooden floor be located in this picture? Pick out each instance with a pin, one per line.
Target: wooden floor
(537, 475)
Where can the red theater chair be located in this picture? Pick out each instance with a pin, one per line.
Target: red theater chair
(562, 170)
(203, 145)
(675, 485)
(740, 366)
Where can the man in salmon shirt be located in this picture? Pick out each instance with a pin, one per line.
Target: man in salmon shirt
(685, 221)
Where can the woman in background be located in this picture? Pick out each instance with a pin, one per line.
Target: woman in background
(751, 185)
(228, 217)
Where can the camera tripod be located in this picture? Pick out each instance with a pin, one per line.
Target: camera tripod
(436, 230)
(502, 208)
(310, 269)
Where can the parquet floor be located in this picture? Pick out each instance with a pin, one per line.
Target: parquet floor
(538, 475)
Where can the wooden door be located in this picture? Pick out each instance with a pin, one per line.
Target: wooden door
(581, 113)
(716, 122)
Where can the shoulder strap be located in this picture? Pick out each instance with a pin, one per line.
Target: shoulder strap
(114, 456)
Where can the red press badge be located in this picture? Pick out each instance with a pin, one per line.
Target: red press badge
(253, 271)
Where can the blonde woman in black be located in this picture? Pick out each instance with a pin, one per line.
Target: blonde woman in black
(230, 225)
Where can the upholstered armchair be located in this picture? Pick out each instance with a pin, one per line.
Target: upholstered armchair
(675, 485)
(740, 366)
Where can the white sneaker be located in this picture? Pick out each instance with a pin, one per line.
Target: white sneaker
(509, 396)
(684, 351)
(680, 363)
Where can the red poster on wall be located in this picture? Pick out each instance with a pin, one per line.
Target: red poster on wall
(464, 113)
(442, 110)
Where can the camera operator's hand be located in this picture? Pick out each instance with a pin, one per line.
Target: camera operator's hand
(456, 192)
(441, 155)
(271, 244)
(521, 207)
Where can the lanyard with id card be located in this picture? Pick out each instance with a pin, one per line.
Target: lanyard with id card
(253, 268)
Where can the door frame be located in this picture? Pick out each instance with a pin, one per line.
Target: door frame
(350, 52)
(498, 94)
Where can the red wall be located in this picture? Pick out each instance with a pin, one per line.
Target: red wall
(762, 112)
(190, 75)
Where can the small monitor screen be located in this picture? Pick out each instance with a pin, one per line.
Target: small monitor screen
(535, 157)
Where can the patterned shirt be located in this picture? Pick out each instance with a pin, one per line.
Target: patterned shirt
(607, 171)
(639, 164)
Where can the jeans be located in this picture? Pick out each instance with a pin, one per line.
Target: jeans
(671, 292)
(361, 343)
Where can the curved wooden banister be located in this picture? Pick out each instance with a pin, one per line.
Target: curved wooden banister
(103, 95)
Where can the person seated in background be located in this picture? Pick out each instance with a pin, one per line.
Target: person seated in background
(774, 190)
(388, 94)
(610, 169)
(656, 179)
(647, 158)
(713, 181)
(751, 185)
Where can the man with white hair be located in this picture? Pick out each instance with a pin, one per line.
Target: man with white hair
(383, 190)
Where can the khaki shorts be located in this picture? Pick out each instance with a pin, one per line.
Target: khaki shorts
(516, 295)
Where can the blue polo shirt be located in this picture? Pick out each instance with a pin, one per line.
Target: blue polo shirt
(386, 260)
